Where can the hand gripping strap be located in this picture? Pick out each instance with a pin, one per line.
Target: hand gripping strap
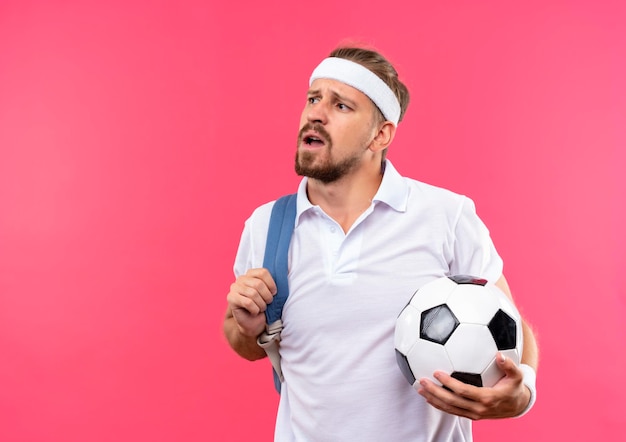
(276, 261)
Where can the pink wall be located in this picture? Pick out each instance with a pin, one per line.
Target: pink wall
(136, 137)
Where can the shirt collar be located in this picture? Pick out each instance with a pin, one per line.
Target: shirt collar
(393, 191)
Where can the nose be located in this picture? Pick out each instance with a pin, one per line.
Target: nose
(317, 112)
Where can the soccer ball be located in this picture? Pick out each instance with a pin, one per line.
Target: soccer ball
(457, 325)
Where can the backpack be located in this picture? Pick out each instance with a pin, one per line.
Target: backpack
(282, 221)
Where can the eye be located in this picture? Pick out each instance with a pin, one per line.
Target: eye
(313, 100)
(343, 107)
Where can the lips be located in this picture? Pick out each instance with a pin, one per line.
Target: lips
(312, 139)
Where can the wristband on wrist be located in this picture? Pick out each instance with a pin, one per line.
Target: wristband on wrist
(530, 380)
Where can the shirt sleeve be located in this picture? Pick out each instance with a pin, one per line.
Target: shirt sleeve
(252, 243)
(474, 251)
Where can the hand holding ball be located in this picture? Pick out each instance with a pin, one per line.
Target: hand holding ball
(457, 324)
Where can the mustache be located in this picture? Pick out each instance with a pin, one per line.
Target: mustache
(317, 127)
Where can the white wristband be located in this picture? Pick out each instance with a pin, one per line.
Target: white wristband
(530, 380)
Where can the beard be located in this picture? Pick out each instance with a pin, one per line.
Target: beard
(326, 171)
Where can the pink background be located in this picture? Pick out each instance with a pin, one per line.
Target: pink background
(136, 137)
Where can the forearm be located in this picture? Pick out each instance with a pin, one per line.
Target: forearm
(529, 364)
(244, 346)
(530, 352)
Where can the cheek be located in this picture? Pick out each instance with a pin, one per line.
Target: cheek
(358, 134)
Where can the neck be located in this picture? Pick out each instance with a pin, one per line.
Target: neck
(347, 198)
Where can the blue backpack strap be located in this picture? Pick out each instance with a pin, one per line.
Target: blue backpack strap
(275, 259)
(282, 221)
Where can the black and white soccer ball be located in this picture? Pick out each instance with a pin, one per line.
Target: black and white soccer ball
(457, 325)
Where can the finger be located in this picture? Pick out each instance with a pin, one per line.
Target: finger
(257, 282)
(446, 400)
(248, 324)
(238, 301)
(442, 394)
(509, 367)
(460, 388)
(249, 294)
(257, 288)
(265, 276)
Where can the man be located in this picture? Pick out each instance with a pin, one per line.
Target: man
(365, 239)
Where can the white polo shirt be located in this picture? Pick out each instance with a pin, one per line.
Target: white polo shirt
(342, 382)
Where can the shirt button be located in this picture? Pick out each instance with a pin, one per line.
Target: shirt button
(333, 229)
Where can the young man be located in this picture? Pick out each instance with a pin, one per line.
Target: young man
(365, 239)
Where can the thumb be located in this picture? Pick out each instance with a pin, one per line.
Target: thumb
(509, 367)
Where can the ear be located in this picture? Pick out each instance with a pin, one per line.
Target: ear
(383, 137)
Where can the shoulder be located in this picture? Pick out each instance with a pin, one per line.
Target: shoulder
(433, 192)
(399, 190)
(426, 196)
(259, 219)
(252, 243)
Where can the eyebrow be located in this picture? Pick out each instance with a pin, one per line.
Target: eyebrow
(335, 95)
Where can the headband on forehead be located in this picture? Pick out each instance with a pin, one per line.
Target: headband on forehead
(359, 77)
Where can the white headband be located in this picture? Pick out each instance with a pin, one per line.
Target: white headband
(359, 77)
